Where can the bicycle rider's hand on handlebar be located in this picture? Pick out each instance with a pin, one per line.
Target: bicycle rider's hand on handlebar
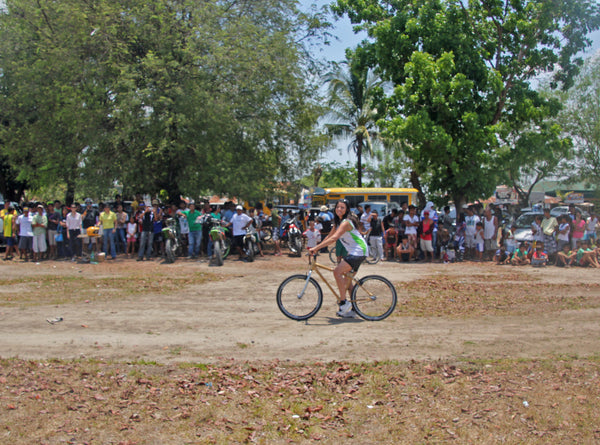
(313, 251)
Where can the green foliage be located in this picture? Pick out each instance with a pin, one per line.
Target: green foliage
(462, 74)
(179, 96)
(337, 175)
(581, 119)
(353, 92)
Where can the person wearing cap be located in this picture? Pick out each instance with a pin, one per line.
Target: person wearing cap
(194, 219)
(239, 222)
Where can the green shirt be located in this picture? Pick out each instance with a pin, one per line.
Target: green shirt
(193, 219)
(39, 219)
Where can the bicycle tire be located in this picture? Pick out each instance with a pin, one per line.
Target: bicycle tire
(170, 251)
(218, 251)
(374, 298)
(299, 297)
(371, 259)
(332, 255)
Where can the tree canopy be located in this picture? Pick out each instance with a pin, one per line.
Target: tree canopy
(182, 96)
(463, 73)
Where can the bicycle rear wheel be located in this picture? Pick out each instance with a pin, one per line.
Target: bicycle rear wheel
(374, 298)
(299, 297)
(373, 257)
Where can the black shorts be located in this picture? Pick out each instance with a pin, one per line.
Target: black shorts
(238, 241)
(354, 261)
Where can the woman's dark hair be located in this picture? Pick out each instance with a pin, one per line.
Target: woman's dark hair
(348, 215)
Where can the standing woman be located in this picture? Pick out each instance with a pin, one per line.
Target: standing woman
(345, 229)
(578, 229)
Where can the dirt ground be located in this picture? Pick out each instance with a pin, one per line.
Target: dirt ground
(191, 311)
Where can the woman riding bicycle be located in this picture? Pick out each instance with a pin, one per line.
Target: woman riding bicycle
(345, 228)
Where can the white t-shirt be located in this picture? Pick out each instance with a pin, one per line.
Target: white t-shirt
(364, 219)
(410, 230)
(471, 222)
(239, 221)
(312, 237)
(25, 227)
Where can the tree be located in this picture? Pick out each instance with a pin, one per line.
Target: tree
(182, 96)
(462, 73)
(581, 119)
(352, 94)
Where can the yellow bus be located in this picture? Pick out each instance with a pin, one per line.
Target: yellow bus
(354, 195)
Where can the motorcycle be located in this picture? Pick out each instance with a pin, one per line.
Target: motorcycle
(292, 235)
(251, 243)
(172, 243)
(221, 244)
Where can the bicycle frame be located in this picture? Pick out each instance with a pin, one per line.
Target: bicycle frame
(314, 267)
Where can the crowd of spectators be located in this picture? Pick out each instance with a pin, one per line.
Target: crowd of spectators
(135, 230)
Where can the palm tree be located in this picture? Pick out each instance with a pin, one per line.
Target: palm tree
(351, 102)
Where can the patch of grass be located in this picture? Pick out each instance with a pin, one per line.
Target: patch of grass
(64, 289)
(389, 402)
(498, 294)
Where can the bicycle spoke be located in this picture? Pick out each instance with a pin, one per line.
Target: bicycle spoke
(374, 298)
(299, 297)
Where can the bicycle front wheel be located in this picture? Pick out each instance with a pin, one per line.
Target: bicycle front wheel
(374, 298)
(299, 297)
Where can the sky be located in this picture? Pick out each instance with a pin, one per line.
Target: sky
(346, 38)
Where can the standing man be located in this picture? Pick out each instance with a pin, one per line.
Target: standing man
(90, 219)
(24, 221)
(53, 214)
(471, 221)
(490, 234)
(74, 222)
(239, 222)
(146, 222)
(108, 219)
(9, 218)
(194, 218)
(39, 223)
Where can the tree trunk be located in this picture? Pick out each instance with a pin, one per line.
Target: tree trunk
(359, 147)
(416, 183)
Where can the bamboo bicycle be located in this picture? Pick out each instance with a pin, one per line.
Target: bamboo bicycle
(300, 297)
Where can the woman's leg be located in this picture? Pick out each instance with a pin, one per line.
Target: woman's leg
(342, 278)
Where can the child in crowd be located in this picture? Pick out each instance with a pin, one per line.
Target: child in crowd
(502, 256)
(479, 245)
(131, 236)
(539, 258)
(564, 227)
(565, 257)
(520, 256)
(586, 256)
(312, 235)
(405, 250)
(391, 241)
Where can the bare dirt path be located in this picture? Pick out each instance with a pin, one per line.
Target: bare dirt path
(144, 312)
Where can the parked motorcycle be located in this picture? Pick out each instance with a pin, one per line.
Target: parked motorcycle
(221, 244)
(171, 236)
(251, 243)
(292, 235)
